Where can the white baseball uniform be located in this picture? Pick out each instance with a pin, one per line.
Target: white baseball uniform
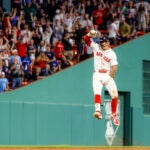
(103, 60)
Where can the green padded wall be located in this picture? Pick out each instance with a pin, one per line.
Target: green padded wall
(129, 79)
(58, 110)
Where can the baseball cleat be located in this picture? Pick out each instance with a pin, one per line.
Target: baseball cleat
(98, 115)
(115, 120)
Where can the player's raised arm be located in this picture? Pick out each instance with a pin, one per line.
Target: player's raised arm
(88, 36)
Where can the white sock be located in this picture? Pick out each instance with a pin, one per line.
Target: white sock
(97, 107)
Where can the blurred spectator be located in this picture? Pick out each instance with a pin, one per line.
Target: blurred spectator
(41, 63)
(45, 71)
(111, 12)
(16, 73)
(16, 3)
(6, 23)
(14, 16)
(59, 53)
(54, 65)
(122, 8)
(27, 69)
(41, 14)
(15, 32)
(4, 84)
(25, 33)
(5, 55)
(77, 20)
(3, 43)
(14, 56)
(68, 42)
(89, 8)
(29, 12)
(4, 51)
(94, 4)
(41, 47)
(48, 28)
(49, 52)
(88, 52)
(1, 65)
(58, 31)
(31, 50)
(80, 32)
(80, 50)
(36, 33)
(22, 46)
(146, 7)
(141, 18)
(58, 16)
(68, 21)
(98, 16)
(5, 69)
(124, 30)
(80, 8)
(131, 14)
(52, 7)
(113, 31)
(134, 33)
(105, 13)
(87, 23)
(46, 36)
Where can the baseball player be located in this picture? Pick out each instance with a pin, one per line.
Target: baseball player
(105, 67)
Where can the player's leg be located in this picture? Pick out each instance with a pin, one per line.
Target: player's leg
(97, 88)
(112, 89)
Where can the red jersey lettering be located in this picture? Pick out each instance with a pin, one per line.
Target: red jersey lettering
(98, 53)
(106, 59)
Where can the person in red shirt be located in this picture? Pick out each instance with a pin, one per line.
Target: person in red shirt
(41, 62)
(59, 53)
(21, 46)
(59, 50)
(7, 23)
(7, 18)
(98, 16)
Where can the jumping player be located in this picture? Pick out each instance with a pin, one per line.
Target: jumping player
(105, 68)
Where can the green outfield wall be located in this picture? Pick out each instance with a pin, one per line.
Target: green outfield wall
(58, 110)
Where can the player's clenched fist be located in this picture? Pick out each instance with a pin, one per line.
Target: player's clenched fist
(92, 33)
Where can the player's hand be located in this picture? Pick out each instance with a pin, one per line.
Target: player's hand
(112, 75)
(92, 33)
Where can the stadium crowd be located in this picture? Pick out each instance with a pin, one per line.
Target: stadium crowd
(41, 37)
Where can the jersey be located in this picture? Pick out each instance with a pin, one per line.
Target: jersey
(102, 59)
